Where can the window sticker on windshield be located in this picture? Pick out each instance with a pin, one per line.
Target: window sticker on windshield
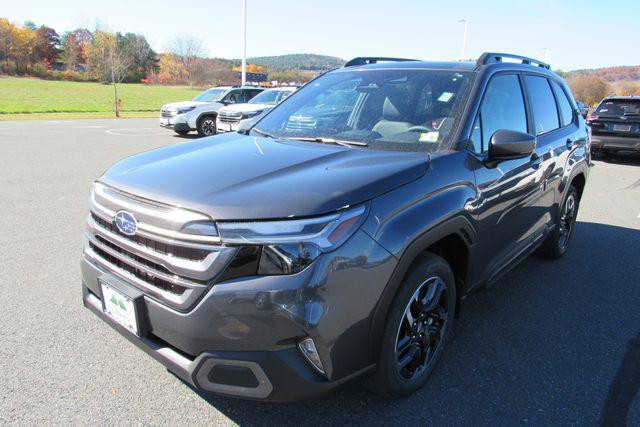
(445, 97)
(429, 136)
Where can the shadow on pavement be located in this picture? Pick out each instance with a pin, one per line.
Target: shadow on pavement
(622, 158)
(546, 345)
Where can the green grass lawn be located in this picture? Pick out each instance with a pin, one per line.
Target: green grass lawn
(35, 98)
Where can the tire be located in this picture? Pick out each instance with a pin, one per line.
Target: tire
(181, 132)
(206, 125)
(429, 277)
(557, 243)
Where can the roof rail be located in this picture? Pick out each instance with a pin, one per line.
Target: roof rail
(364, 60)
(492, 57)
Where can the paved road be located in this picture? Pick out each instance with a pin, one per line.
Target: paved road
(541, 347)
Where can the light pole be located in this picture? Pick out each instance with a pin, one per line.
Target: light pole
(464, 38)
(244, 42)
(546, 53)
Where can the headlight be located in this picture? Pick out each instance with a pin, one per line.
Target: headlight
(289, 246)
(250, 114)
(185, 110)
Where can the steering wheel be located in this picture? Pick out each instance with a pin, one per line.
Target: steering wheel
(419, 129)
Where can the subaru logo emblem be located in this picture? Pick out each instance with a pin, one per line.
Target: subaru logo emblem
(126, 223)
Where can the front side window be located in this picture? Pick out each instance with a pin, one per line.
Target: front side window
(234, 97)
(566, 111)
(502, 107)
(389, 109)
(543, 104)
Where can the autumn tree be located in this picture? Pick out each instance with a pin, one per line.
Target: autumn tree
(23, 53)
(588, 89)
(75, 45)
(140, 57)
(188, 51)
(47, 46)
(8, 41)
(627, 88)
(107, 61)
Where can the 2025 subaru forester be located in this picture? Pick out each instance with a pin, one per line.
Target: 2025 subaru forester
(335, 238)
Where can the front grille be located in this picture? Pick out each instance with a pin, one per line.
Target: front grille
(164, 248)
(167, 264)
(230, 120)
(168, 113)
(229, 117)
(142, 275)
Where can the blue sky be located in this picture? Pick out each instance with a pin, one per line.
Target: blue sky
(579, 34)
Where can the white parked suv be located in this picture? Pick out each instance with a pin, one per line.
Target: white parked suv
(201, 116)
(229, 117)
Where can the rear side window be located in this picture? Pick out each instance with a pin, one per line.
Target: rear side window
(566, 112)
(545, 113)
(502, 108)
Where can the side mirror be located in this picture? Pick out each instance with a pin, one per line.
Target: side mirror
(245, 125)
(510, 144)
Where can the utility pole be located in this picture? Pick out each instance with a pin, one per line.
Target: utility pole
(244, 42)
(464, 38)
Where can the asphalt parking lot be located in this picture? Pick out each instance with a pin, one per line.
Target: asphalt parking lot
(545, 346)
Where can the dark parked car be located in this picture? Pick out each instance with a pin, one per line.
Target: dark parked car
(336, 239)
(615, 125)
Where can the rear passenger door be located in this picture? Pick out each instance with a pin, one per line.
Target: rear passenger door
(509, 192)
(556, 127)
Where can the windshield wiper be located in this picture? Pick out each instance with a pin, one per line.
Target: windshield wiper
(323, 140)
(260, 132)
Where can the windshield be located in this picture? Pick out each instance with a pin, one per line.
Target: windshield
(211, 95)
(394, 109)
(270, 97)
(619, 108)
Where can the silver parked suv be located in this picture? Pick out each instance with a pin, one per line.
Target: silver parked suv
(202, 117)
(230, 117)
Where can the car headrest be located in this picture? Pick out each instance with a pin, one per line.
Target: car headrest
(392, 110)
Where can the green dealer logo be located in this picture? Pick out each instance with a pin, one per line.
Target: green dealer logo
(118, 302)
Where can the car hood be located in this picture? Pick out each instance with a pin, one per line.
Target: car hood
(183, 104)
(235, 176)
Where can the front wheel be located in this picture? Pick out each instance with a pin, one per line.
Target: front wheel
(207, 126)
(556, 245)
(417, 329)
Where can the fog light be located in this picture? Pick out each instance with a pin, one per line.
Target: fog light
(308, 349)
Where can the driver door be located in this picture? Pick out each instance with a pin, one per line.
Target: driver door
(507, 208)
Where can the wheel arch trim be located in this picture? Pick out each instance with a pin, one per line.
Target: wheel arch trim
(458, 225)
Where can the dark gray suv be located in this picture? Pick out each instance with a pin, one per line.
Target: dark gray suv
(335, 239)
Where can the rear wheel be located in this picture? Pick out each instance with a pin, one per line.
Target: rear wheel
(557, 243)
(207, 126)
(417, 329)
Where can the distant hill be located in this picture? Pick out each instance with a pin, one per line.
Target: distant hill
(609, 74)
(295, 61)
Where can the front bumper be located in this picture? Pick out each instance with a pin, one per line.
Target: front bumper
(607, 142)
(278, 376)
(251, 326)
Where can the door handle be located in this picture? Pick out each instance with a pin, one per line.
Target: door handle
(570, 143)
(535, 161)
